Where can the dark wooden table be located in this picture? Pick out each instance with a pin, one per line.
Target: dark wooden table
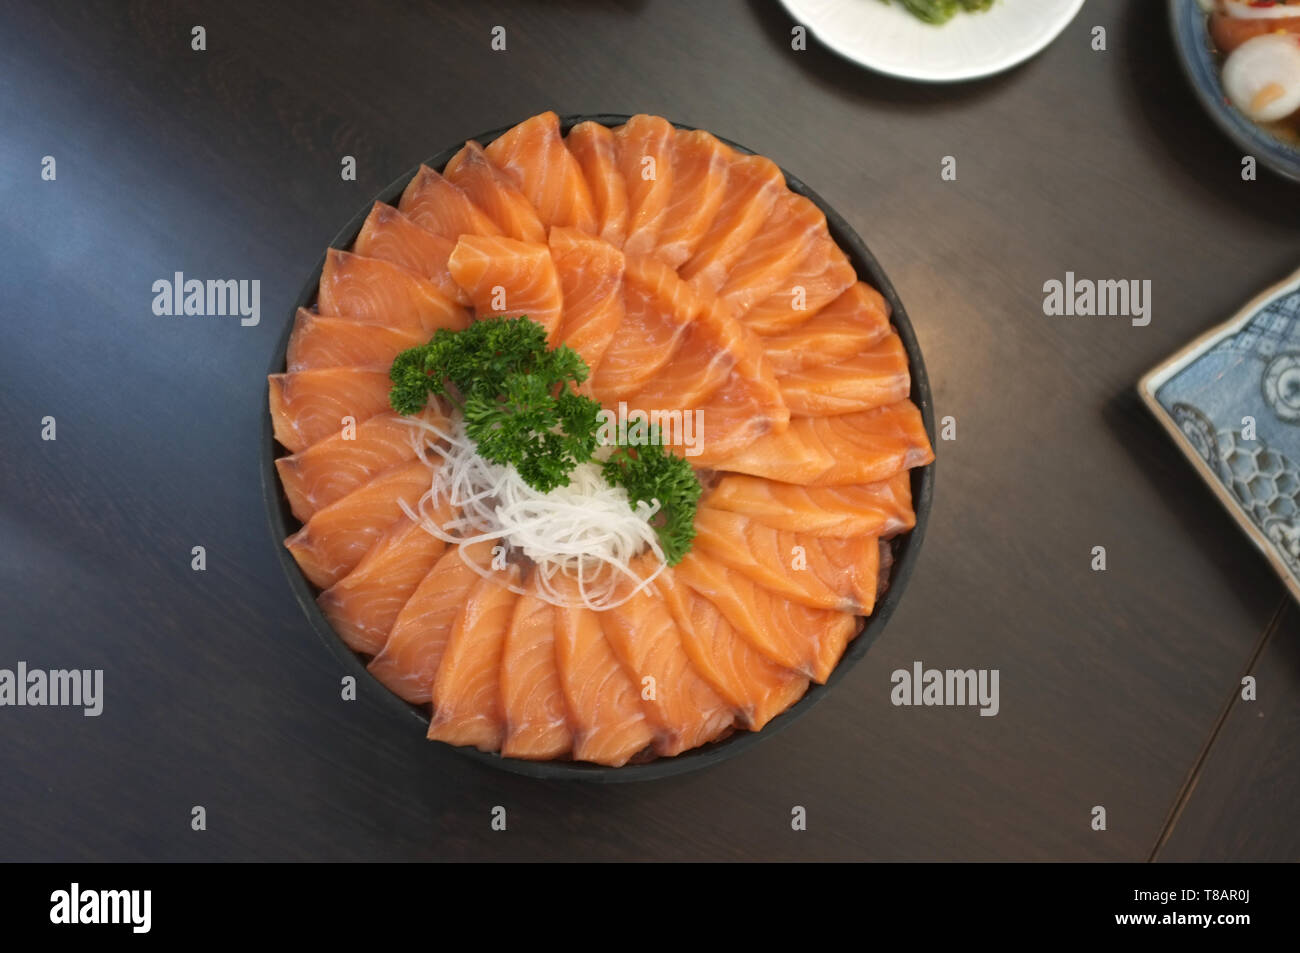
(1118, 688)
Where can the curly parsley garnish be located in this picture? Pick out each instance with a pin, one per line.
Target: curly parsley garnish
(521, 410)
(651, 473)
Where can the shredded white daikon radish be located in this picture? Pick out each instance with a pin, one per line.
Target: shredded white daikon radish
(586, 531)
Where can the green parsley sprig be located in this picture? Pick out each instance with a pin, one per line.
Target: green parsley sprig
(650, 473)
(513, 392)
(520, 409)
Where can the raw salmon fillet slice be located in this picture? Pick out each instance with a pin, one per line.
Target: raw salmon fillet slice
(332, 468)
(753, 186)
(833, 451)
(520, 275)
(364, 604)
(408, 662)
(823, 275)
(699, 181)
(389, 235)
(533, 154)
(467, 689)
(379, 292)
(609, 725)
(494, 192)
(746, 407)
(308, 406)
(710, 347)
(342, 342)
(437, 205)
(765, 264)
(753, 610)
(334, 540)
(645, 158)
(658, 308)
(874, 378)
(847, 326)
(757, 688)
(806, 640)
(859, 567)
(591, 286)
(593, 146)
(683, 708)
(817, 571)
(739, 413)
(870, 509)
(537, 722)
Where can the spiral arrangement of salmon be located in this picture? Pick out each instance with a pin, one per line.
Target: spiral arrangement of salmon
(688, 276)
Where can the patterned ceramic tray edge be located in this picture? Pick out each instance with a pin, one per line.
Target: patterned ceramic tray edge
(1157, 377)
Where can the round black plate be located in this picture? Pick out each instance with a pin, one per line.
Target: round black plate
(906, 548)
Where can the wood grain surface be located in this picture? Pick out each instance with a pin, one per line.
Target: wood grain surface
(1240, 799)
(225, 164)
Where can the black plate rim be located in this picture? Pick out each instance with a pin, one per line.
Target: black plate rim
(906, 548)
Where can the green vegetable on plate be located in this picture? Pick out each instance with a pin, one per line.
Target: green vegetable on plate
(941, 11)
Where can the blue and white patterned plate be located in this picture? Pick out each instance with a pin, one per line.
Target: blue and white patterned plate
(1196, 51)
(1231, 400)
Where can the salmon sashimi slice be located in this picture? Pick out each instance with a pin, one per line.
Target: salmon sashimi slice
(533, 154)
(593, 146)
(817, 571)
(318, 341)
(334, 540)
(494, 192)
(508, 277)
(699, 181)
(591, 286)
(710, 348)
(684, 709)
(856, 565)
(390, 236)
(772, 558)
(766, 263)
(440, 207)
(746, 407)
(364, 604)
(847, 326)
(307, 406)
(408, 662)
(332, 468)
(755, 687)
(871, 509)
(658, 308)
(467, 689)
(823, 275)
(537, 725)
(863, 447)
(876, 377)
(609, 725)
(748, 607)
(753, 186)
(798, 637)
(832, 631)
(379, 292)
(645, 158)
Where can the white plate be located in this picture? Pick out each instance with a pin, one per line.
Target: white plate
(888, 39)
